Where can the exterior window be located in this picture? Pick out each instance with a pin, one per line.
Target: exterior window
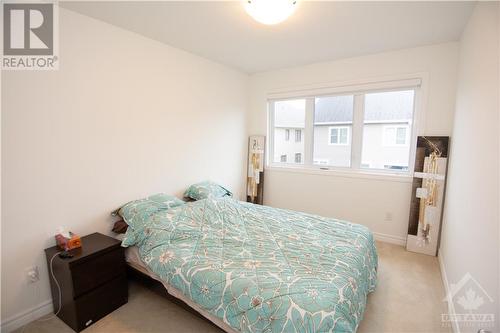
(339, 135)
(333, 117)
(370, 128)
(395, 135)
(298, 135)
(386, 130)
(401, 136)
(289, 117)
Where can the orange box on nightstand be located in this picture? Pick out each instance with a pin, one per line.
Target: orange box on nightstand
(68, 243)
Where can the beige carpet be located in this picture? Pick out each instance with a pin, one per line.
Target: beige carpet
(408, 299)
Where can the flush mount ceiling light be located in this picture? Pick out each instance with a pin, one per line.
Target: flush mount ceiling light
(270, 11)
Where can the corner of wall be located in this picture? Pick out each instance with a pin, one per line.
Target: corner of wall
(25, 317)
(449, 301)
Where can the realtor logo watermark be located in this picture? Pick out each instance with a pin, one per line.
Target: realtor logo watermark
(470, 297)
(30, 36)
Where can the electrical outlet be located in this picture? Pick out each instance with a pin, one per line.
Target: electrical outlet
(32, 274)
(388, 216)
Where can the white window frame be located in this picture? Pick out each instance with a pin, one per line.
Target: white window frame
(389, 143)
(287, 134)
(417, 83)
(295, 158)
(348, 141)
(297, 130)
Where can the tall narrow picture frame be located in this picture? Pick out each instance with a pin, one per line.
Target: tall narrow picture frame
(255, 169)
(428, 191)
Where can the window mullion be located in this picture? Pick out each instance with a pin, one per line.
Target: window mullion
(357, 131)
(271, 129)
(309, 132)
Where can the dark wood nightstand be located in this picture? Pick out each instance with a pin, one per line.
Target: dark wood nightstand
(93, 283)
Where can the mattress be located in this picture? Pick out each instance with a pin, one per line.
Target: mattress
(251, 268)
(133, 259)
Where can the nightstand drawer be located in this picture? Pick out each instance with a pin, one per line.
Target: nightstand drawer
(92, 273)
(99, 302)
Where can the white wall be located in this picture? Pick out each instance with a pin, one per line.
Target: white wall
(470, 237)
(362, 200)
(122, 118)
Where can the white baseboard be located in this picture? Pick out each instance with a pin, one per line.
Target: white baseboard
(390, 238)
(451, 305)
(25, 317)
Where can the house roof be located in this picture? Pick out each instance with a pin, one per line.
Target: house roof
(290, 113)
(379, 107)
(396, 105)
(338, 109)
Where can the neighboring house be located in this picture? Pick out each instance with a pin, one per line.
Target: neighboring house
(289, 144)
(289, 131)
(386, 133)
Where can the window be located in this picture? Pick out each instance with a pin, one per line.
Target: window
(338, 135)
(298, 135)
(386, 129)
(401, 136)
(289, 115)
(395, 135)
(370, 128)
(332, 123)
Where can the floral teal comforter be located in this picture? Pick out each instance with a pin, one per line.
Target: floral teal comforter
(261, 269)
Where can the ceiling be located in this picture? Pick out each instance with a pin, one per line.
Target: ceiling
(317, 31)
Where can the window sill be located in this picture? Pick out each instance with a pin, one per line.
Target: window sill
(360, 174)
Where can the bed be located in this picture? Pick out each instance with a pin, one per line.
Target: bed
(251, 268)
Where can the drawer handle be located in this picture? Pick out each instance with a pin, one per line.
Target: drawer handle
(88, 322)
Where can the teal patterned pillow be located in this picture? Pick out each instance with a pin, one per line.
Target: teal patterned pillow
(136, 212)
(206, 189)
